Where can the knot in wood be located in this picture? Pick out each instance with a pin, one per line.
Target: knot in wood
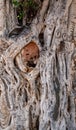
(30, 54)
(30, 51)
(27, 59)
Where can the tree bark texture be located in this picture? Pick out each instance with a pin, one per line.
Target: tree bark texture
(38, 68)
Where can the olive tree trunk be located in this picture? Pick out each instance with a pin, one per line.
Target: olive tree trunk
(38, 68)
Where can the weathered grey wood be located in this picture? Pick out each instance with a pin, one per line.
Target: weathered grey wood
(38, 82)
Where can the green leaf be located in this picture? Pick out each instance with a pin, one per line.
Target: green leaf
(16, 3)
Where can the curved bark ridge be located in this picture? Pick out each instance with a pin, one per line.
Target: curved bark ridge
(38, 72)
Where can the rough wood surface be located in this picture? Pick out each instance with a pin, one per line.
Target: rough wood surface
(38, 68)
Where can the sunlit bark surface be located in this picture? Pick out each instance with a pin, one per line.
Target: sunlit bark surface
(38, 68)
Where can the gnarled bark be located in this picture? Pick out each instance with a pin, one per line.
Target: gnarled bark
(38, 70)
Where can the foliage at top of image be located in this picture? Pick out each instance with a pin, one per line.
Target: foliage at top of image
(28, 5)
(16, 3)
